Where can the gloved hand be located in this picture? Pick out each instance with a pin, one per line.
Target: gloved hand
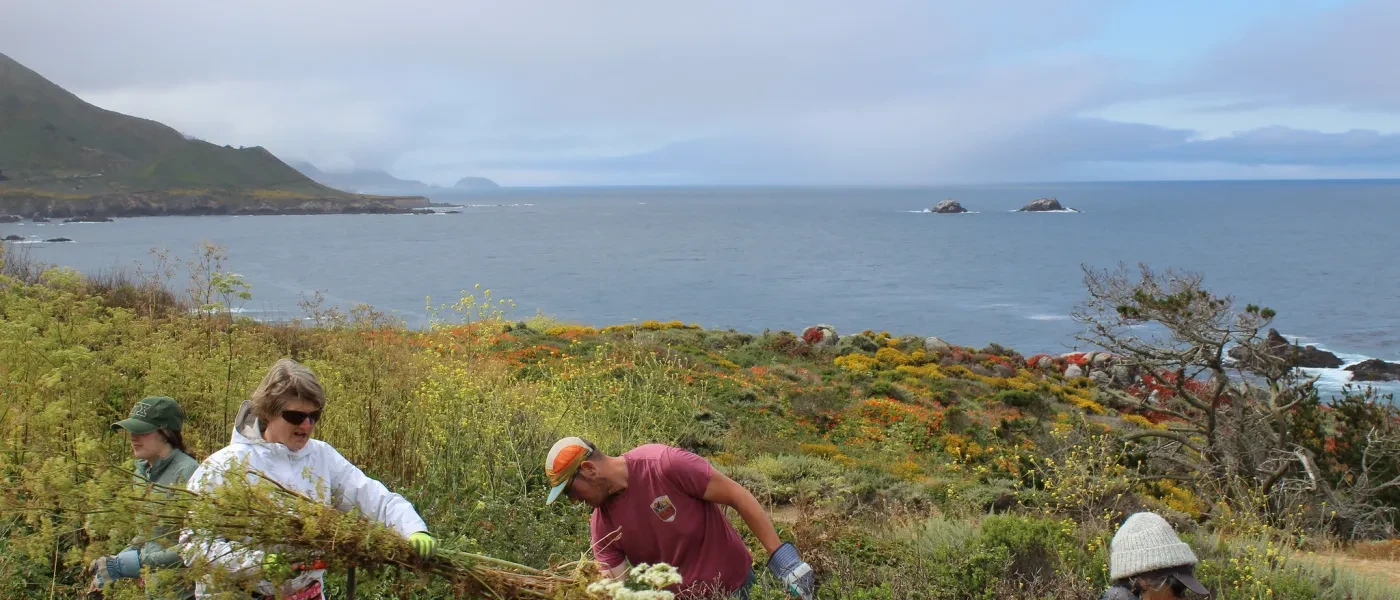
(100, 576)
(107, 569)
(797, 576)
(423, 544)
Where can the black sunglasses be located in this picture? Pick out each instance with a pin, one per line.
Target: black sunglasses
(295, 417)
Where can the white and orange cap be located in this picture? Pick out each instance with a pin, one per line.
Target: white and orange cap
(562, 464)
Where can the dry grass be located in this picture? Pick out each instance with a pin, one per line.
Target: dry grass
(1368, 578)
(1382, 551)
(17, 262)
(122, 288)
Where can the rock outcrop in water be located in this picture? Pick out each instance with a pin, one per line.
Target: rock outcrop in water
(10, 218)
(1375, 369)
(475, 183)
(88, 219)
(58, 239)
(13, 238)
(949, 207)
(1045, 205)
(1307, 357)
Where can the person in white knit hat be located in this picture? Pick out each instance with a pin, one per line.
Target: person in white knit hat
(1147, 561)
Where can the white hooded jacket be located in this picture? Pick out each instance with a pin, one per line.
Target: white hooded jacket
(317, 466)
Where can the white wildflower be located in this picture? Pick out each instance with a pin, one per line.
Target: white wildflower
(607, 588)
(657, 576)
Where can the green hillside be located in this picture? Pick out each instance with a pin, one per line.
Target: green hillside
(46, 131)
(55, 145)
(199, 163)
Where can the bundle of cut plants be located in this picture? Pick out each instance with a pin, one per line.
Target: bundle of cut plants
(258, 514)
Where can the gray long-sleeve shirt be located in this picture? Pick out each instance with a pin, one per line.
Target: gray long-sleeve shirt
(159, 550)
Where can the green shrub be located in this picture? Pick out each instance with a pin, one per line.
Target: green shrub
(856, 343)
(1031, 545)
(792, 476)
(751, 355)
(816, 403)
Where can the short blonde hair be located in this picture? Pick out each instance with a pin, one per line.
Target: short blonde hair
(287, 378)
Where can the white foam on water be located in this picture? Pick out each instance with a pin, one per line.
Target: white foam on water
(41, 242)
(928, 211)
(1044, 317)
(494, 205)
(1331, 381)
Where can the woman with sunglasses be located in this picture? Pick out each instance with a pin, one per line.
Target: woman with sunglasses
(1147, 561)
(272, 434)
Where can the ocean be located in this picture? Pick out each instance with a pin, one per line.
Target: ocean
(1322, 254)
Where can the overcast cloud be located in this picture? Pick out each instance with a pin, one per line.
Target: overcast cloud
(735, 91)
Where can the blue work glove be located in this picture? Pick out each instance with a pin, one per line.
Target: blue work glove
(125, 564)
(797, 576)
(423, 544)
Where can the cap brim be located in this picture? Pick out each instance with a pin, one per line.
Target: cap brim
(1190, 582)
(558, 489)
(134, 426)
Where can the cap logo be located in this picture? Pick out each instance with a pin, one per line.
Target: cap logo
(140, 410)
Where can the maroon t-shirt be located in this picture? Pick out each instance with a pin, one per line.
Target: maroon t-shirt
(662, 517)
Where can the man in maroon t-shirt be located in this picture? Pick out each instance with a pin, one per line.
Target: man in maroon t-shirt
(658, 504)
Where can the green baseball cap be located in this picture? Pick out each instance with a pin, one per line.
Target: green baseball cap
(153, 413)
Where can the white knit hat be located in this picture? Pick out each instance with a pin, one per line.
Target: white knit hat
(1146, 542)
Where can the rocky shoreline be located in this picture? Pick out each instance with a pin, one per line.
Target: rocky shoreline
(1306, 357)
(1111, 371)
(14, 207)
(1375, 370)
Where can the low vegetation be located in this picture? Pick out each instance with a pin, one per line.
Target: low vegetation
(902, 469)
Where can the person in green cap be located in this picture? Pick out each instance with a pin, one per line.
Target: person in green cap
(154, 427)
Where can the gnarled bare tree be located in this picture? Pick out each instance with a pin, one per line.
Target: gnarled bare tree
(1229, 415)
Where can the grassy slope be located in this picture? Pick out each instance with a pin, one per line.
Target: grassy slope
(201, 164)
(47, 130)
(882, 459)
(49, 136)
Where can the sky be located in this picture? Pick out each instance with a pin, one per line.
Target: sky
(740, 92)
